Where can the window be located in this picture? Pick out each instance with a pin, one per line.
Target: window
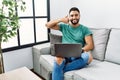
(32, 26)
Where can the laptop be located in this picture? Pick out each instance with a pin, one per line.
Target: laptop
(67, 50)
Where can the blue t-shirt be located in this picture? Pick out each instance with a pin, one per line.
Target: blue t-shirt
(74, 34)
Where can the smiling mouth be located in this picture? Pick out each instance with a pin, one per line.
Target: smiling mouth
(75, 21)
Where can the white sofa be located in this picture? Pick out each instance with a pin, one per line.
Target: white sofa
(106, 63)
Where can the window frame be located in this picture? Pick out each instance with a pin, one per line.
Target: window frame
(35, 42)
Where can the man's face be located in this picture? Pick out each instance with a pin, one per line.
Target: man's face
(74, 17)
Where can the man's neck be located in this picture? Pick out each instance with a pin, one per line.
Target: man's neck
(74, 25)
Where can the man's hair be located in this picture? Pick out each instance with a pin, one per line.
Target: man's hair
(74, 9)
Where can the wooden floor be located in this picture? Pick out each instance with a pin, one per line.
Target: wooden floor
(37, 74)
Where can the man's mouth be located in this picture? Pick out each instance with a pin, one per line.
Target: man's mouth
(74, 21)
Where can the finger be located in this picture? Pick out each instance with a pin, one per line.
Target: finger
(66, 16)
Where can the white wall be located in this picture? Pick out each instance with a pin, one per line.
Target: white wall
(99, 13)
(18, 58)
(59, 8)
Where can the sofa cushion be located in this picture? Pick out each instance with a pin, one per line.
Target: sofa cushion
(70, 74)
(102, 71)
(113, 47)
(54, 39)
(100, 38)
(47, 60)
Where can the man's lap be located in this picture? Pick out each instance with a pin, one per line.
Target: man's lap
(75, 63)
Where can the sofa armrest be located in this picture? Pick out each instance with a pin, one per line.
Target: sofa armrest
(45, 51)
(37, 51)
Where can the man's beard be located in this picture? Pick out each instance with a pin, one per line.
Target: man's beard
(74, 22)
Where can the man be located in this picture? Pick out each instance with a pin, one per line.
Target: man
(73, 32)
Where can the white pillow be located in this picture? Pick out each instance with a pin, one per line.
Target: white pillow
(100, 38)
(113, 47)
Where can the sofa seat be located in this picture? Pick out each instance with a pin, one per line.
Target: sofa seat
(102, 71)
(46, 62)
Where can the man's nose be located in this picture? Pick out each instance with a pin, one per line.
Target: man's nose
(74, 17)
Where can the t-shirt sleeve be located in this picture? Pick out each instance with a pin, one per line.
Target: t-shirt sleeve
(87, 31)
(61, 26)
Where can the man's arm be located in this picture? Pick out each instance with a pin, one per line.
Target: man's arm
(53, 24)
(89, 43)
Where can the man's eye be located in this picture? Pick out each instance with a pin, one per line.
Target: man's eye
(76, 15)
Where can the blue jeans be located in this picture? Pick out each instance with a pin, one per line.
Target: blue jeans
(69, 64)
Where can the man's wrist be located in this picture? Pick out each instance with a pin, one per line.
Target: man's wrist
(82, 50)
(59, 20)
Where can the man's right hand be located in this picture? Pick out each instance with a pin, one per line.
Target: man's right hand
(64, 20)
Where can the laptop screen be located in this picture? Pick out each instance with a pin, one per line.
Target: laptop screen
(67, 50)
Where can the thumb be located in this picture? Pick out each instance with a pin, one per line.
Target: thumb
(66, 16)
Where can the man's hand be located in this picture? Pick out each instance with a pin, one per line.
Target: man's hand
(64, 20)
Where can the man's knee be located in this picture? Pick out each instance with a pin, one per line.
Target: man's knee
(59, 60)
